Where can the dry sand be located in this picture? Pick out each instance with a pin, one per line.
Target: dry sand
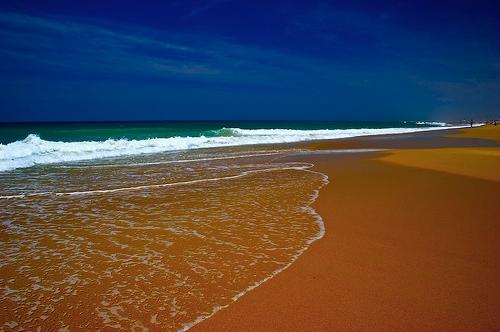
(485, 132)
(412, 243)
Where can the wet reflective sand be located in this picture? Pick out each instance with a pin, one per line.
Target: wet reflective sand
(154, 242)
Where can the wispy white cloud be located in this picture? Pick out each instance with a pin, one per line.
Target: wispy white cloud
(34, 43)
(84, 47)
(35, 46)
(201, 6)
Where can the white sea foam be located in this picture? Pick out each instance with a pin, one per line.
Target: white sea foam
(321, 232)
(287, 166)
(179, 161)
(432, 123)
(35, 151)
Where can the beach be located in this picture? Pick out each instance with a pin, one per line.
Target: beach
(395, 231)
(216, 165)
(412, 242)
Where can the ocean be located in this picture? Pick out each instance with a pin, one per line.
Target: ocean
(135, 226)
(25, 145)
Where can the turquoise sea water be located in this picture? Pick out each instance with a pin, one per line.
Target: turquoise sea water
(99, 131)
(29, 144)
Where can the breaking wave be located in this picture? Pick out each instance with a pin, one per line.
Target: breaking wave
(34, 150)
(431, 123)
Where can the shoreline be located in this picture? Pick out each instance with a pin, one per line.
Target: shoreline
(351, 236)
(38, 151)
(329, 286)
(309, 242)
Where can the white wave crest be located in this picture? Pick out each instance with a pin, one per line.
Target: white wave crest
(35, 151)
(432, 123)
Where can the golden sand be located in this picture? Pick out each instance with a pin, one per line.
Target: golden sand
(406, 248)
(412, 243)
(483, 163)
(488, 132)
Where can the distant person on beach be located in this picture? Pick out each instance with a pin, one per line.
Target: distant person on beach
(471, 123)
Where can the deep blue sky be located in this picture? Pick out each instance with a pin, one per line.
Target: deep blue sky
(223, 59)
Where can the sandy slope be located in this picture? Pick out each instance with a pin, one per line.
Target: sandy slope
(412, 242)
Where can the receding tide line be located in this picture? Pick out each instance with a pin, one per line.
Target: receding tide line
(339, 151)
(304, 167)
(319, 221)
(319, 235)
(178, 161)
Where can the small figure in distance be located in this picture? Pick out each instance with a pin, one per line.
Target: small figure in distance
(471, 123)
(494, 122)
